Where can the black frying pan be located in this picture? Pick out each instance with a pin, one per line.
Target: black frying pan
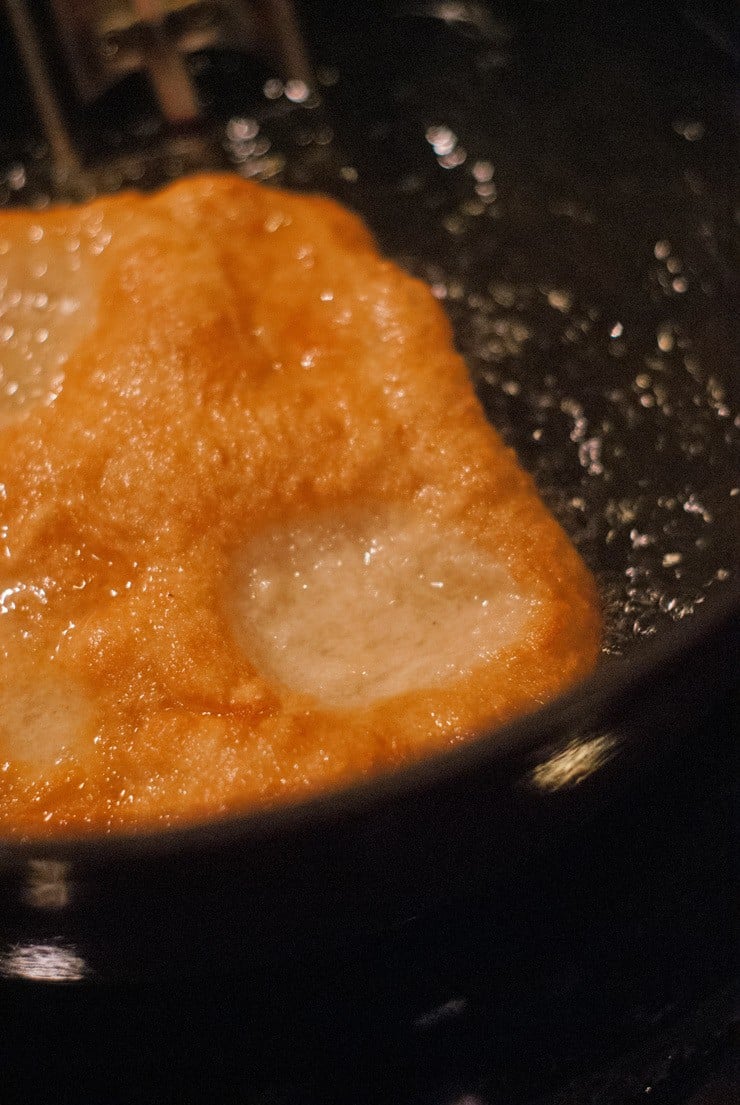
(560, 175)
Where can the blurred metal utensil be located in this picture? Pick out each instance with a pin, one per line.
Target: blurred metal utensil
(102, 41)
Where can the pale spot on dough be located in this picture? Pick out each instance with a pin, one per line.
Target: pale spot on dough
(48, 303)
(352, 608)
(43, 718)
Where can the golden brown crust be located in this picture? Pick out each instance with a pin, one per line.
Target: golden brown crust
(252, 358)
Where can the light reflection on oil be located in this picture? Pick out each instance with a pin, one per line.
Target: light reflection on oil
(440, 1014)
(48, 884)
(43, 963)
(571, 765)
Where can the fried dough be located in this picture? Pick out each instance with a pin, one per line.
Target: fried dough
(256, 535)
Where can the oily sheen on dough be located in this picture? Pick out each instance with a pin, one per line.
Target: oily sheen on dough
(256, 534)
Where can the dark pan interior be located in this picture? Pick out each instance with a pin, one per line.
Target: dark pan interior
(570, 207)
